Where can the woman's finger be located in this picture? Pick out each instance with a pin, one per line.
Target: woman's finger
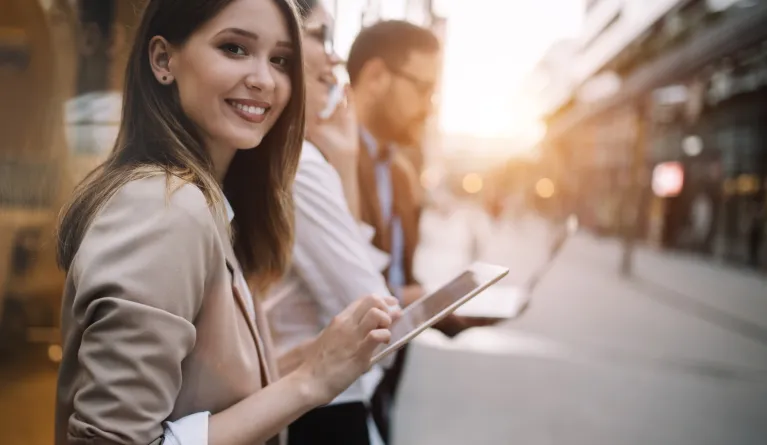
(395, 312)
(375, 319)
(345, 110)
(390, 300)
(365, 304)
(373, 340)
(340, 108)
(349, 96)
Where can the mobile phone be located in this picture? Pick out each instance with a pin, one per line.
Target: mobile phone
(335, 96)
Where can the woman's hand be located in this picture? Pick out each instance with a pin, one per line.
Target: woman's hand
(338, 136)
(342, 352)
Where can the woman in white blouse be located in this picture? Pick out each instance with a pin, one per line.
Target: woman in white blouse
(333, 263)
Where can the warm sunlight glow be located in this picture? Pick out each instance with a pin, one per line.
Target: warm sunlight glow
(491, 45)
(472, 183)
(430, 178)
(545, 188)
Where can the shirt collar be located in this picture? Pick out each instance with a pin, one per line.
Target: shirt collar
(229, 210)
(369, 141)
(372, 145)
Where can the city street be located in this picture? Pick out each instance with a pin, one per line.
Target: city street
(675, 356)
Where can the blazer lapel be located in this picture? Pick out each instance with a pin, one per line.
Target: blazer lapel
(239, 295)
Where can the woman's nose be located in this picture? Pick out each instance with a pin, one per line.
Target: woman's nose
(260, 78)
(334, 59)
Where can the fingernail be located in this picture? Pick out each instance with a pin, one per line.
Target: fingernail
(391, 300)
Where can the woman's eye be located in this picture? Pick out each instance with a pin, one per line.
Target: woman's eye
(282, 62)
(233, 49)
(318, 36)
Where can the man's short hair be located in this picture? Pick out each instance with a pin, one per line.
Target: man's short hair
(390, 40)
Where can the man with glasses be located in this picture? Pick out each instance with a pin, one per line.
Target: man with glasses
(393, 68)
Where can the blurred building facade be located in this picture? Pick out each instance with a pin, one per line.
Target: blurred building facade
(61, 75)
(669, 95)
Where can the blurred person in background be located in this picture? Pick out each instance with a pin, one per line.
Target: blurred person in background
(96, 44)
(333, 264)
(162, 244)
(93, 113)
(393, 68)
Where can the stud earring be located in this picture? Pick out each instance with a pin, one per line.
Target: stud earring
(164, 78)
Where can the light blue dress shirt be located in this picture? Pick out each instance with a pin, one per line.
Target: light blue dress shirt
(386, 198)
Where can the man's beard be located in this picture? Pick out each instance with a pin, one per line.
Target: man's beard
(410, 134)
(407, 133)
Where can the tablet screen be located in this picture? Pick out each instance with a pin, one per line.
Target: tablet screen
(431, 308)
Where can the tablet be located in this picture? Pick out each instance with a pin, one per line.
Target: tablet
(500, 302)
(432, 308)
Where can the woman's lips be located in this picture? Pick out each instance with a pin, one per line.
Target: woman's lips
(250, 110)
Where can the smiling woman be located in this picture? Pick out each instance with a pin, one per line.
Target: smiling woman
(207, 70)
(163, 340)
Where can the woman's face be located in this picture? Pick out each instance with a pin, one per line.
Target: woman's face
(319, 60)
(233, 74)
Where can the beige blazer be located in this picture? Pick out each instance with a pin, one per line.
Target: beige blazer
(154, 324)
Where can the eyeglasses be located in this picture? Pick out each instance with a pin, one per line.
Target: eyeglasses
(323, 34)
(424, 87)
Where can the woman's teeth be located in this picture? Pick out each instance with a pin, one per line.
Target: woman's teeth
(248, 108)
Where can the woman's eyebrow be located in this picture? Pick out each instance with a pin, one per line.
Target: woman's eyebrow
(251, 35)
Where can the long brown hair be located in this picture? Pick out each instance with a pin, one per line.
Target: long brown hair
(155, 134)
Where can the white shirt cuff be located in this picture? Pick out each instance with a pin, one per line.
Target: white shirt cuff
(189, 430)
(379, 258)
(367, 231)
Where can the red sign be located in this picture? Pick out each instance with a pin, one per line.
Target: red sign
(667, 179)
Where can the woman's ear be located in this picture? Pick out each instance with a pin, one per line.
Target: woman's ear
(159, 59)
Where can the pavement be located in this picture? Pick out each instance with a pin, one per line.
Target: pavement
(675, 355)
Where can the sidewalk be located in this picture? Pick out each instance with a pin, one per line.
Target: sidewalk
(713, 287)
(737, 292)
(688, 296)
(674, 306)
(597, 359)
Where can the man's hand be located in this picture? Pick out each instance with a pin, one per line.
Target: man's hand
(453, 325)
(410, 294)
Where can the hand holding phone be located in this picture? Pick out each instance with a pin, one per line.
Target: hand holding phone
(335, 97)
(337, 135)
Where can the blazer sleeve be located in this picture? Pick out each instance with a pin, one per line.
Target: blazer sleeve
(140, 277)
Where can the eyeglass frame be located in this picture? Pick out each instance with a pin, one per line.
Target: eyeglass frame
(325, 36)
(422, 86)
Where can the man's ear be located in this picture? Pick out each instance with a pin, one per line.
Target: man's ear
(160, 55)
(376, 75)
